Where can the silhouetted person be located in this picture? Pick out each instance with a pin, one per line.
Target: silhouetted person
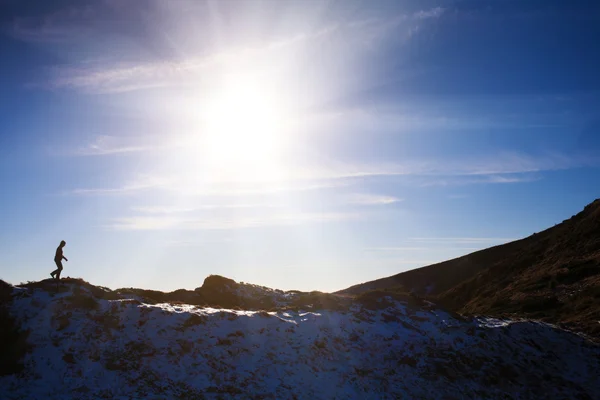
(58, 257)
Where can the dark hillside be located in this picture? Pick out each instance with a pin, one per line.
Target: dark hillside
(553, 275)
(435, 279)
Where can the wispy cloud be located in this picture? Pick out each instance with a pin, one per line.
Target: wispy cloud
(145, 182)
(431, 13)
(461, 240)
(226, 223)
(498, 169)
(87, 25)
(397, 248)
(371, 199)
(195, 243)
(478, 179)
(216, 190)
(181, 210)
(191, 211)
(69, 24)
(127, 76)
(409, 248)
(110, 145)
(511, 179)
(401, 27)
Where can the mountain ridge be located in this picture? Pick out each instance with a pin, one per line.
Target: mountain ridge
(553, 276)
(89, 342)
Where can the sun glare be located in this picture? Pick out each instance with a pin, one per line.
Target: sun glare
(244, 125)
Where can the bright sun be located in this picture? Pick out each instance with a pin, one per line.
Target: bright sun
(244, 126)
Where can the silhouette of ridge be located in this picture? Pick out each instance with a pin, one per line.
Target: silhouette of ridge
(553, 276)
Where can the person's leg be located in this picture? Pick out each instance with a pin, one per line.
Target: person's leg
(58, 270)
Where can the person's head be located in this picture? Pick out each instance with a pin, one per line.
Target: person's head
(63, 243)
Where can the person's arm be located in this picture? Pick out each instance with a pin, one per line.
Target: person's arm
(65, 258)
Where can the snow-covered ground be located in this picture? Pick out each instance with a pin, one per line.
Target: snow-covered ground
(89, 348)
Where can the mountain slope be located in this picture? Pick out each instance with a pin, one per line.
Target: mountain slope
(553, 275)
(88, 343)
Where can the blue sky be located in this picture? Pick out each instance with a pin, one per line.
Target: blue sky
(298, 145)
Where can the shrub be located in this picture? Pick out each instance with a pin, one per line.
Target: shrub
(82, 301)
(407, 360)
(13, 340)
(61, 322)
(320, 300)
(224, 342)
(107, 321)
(363, 371)
(186, 346)
(69, 358)
(375, 299)
(320, 344)
(149, 296)
(128, 358)
(194, 320)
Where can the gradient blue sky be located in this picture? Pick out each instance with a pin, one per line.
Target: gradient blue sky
(407, 132)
